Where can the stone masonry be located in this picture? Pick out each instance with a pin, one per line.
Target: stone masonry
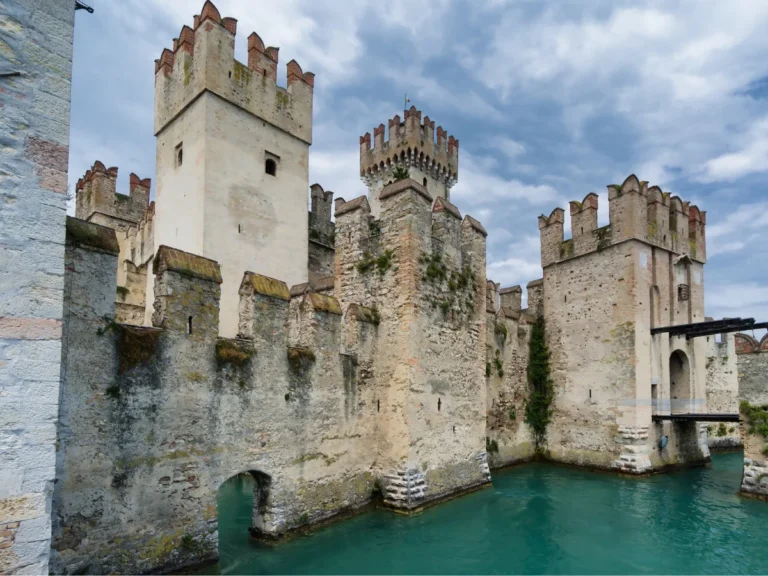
(752, 362)
(604, 290)
(35, 72)
(324, 399)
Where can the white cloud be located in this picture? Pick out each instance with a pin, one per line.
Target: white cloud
(513, 271)
(751, 158)
(746, 217)
(510, 148)
(477, 185)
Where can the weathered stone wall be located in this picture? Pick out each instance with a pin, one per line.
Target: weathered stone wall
(154, 420)
(722, 392)
(423, 271)
(508, 438)
(604, 290)
(754, 434)
(752, 364)
(35, 72)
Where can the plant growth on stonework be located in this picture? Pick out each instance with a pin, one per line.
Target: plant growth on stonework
(757, 420)
(456, 288)
(400, 173)
(538, 407)
(380, 263)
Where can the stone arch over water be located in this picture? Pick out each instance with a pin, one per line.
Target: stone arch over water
(243, 503)
(679, 382)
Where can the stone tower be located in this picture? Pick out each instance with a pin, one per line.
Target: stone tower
(605, 289)
(411, 144)
(232, 156)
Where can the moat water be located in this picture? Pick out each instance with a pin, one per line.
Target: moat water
(536, 519)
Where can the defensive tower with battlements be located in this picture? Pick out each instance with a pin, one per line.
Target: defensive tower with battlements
(410, 144)
(97, 200)
(232, 150)
(605, 288)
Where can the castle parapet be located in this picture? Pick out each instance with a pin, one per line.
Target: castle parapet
(636, 212)
(187, 293)
(203, 59)
(96, 198)
(411, 143)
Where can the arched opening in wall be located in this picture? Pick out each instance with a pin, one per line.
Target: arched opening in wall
(679, 382)
(242, 503)
(424, 181)
(270, 167)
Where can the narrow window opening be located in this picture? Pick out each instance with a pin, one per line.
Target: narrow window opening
(425, 181)
(264, 73)
(582, 229)
(238, 228)
(590, 392)
(565, 298)
(439, 404)
(270, 167)
(189, 325)
(230, 73)
(454, 429)
(378, 405)
(179, 154)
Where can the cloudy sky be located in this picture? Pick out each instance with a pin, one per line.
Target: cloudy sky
(550, 100)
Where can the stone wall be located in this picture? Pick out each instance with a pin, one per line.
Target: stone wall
(323, 401)
(752, 361)
(35, 71)
(604, 290)
(154, 420)
(508, 438)
(722, 392)
(422, 268)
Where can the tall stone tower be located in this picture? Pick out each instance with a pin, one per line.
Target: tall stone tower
(411, 144)
(232, 156)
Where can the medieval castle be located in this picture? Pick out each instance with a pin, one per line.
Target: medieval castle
(224, 329)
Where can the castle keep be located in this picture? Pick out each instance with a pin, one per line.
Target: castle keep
(349, 353)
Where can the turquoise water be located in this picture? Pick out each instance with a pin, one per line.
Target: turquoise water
(536, 519)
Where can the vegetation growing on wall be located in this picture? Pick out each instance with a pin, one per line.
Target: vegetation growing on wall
(757, 418)
(456, 287)
(299, 359)
(232, 353)
(380, 263)
(538, 407)
(135, 345)
(400, 173)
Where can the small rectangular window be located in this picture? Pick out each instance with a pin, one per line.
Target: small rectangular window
(179, 154)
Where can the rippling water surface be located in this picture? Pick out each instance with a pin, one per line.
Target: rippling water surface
(537, 518)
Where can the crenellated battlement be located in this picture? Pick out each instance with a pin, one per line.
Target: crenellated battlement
(635, 212)
(202, 59)
(97, 199)
(412, 144)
